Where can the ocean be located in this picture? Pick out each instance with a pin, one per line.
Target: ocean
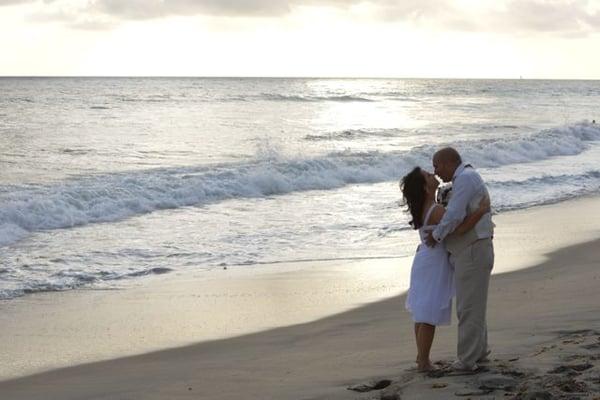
(110, 180)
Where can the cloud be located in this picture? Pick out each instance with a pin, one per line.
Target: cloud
(13, 2)
(549, 16)
(421, 11)
(560, 17)
(143, 9)
(149, 9)
(146, 9)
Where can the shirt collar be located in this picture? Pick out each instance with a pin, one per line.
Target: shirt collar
(458, 171)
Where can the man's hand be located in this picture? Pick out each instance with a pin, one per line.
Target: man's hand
(430, 241)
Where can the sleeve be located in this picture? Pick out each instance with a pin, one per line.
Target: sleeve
(463, 190)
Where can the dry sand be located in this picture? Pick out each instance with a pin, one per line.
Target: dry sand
(318, 359)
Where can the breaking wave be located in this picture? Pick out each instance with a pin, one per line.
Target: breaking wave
(106, 198)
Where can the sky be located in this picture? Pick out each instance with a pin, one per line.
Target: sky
(536, 39)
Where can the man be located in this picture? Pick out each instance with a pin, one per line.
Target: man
(472, 255)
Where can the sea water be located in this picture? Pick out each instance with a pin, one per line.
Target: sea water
(106, 180)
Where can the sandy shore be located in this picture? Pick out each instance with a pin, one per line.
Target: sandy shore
(315, 359)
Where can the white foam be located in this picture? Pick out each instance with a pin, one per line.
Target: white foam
(545, 189)
(118, 196)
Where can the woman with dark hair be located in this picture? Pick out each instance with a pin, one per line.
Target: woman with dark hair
(429, 298)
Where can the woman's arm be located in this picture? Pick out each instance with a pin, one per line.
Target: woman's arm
(471, 220)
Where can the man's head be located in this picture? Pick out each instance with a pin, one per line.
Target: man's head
(445, 162)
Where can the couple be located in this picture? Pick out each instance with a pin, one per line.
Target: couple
(456, 256)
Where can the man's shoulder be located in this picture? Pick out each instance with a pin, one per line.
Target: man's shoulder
(470, 174)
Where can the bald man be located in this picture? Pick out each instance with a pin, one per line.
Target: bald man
(472, 255)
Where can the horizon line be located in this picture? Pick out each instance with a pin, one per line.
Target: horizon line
(290, 77)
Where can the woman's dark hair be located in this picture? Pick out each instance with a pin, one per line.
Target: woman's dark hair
(413, 190)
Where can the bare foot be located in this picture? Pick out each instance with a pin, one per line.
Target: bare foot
(425, 367)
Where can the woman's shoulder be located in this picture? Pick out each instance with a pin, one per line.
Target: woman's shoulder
(436, 214)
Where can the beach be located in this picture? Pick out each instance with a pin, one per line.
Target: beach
(305, 331)
(216, 199)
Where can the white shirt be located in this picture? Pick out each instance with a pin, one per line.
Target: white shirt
(468, 189)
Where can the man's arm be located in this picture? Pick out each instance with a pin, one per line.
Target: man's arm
(463, 190)
(472, 219)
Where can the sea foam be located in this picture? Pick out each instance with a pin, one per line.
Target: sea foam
(113, 197)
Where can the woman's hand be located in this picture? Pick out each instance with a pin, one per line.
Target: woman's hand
(485, 205)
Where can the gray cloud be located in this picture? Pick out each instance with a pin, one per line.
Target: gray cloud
(433, 13)
(142, 9)
(12, 2)
(387, 10)
(74, 20)
(148, 9)
(145, 9)
(550, 16)
(568, 18)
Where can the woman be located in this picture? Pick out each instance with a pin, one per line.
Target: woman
(431, 290)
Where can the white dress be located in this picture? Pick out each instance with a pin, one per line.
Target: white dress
(431, 289)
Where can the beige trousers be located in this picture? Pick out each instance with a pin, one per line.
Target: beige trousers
(472, 269)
